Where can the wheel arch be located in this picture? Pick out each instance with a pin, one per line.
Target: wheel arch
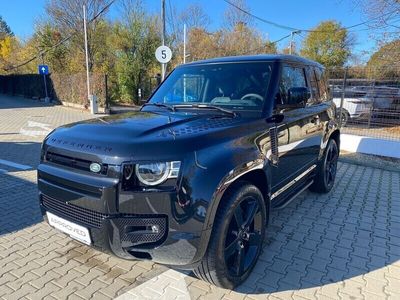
(256, 177)
(336, 136)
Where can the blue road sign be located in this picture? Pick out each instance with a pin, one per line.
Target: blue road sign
(43, 69)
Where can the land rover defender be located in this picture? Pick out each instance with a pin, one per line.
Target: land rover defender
(190, 180)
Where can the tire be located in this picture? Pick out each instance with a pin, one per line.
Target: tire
(228, 246)
(326, 169)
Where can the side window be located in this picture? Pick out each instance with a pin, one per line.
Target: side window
(292, 77)
(322, 84)
(313, 83)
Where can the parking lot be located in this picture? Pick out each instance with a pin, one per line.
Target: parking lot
(345, 244)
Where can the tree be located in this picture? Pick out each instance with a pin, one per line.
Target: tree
(385, 63)
(237, 37)
(5, 30)
(194, 16)
(8, 44)
(241, 40)
(233, 15)
(329, 44)
(383, 18)
(203, 44)
(67, 17)
(136, 38)
(45, 38)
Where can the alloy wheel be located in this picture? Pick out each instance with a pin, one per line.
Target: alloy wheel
(332, 156)
(243, 238)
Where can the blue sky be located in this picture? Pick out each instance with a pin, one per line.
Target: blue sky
(21, 15)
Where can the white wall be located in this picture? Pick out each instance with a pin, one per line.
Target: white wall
(368, 145)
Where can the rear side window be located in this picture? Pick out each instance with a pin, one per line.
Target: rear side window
(313, 83)
(322, 84)
(291, 77)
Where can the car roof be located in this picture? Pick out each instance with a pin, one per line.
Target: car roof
(260, 57)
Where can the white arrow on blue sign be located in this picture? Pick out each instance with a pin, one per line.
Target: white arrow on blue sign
(43, 69)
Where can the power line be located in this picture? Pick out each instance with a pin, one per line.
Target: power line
(261, 19)
(305, 30)
(263, 47)
(62, 41)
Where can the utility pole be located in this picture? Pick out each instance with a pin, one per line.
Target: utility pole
(163, 36)
(291, 40)
(93, 106)
(184, 43)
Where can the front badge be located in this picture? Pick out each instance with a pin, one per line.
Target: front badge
(95, 167)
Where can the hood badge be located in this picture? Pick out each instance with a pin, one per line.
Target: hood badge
(95, 167)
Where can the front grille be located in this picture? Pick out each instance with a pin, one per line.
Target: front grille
(72, 212)
(134, 230)
(72, 162)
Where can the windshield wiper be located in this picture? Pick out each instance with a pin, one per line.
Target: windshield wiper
(159, 104)
(206, 106)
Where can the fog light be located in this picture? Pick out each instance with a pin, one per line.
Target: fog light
(155, 228)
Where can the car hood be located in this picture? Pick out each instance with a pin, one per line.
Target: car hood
(143, 135)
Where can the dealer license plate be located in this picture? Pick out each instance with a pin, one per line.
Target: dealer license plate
(75, 231)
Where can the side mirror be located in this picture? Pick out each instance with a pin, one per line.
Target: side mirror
(298, 96)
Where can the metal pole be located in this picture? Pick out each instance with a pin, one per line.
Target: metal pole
(107, 104)
(342, 99)
(163, 36)
(184, 43)
(291, 40)
(86, 52)
(373, 105)
(45, 82)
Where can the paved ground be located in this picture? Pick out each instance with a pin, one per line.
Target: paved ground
(342, 245)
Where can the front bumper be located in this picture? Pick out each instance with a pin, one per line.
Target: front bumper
(141, 225)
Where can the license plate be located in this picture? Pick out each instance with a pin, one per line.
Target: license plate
(75, 231)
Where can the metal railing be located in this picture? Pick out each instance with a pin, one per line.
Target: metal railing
(367, 100)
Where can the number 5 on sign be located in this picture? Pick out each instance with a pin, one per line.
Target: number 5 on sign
(163, 54)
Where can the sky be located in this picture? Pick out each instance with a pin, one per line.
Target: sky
(22, 14)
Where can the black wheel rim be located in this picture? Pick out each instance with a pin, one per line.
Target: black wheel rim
(331, 163)
(243, 238)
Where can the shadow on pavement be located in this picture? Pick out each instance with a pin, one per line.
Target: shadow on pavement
(323, 239)
(26, 153)
(10, 101)
(19, 205)
(328, 238)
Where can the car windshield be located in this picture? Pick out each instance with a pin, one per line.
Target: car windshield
(232, 86)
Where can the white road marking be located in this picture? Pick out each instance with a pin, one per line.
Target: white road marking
(45, 129)
(171, 284)
(15, 165)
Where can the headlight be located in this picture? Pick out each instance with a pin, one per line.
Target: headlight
(156, 173)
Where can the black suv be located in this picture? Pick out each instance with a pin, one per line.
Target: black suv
(190, 180)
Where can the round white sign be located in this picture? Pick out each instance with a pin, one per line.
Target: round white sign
(163, 54)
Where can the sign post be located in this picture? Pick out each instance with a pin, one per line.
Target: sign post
(163, 55)
(44, 70)
(163, 36)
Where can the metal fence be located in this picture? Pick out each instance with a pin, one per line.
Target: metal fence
(367, 100)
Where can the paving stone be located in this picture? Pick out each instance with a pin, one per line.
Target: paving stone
(344, 244)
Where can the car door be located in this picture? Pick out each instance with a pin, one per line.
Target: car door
(303, 126)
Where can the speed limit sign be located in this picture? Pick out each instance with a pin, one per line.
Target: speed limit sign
(163, 54)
